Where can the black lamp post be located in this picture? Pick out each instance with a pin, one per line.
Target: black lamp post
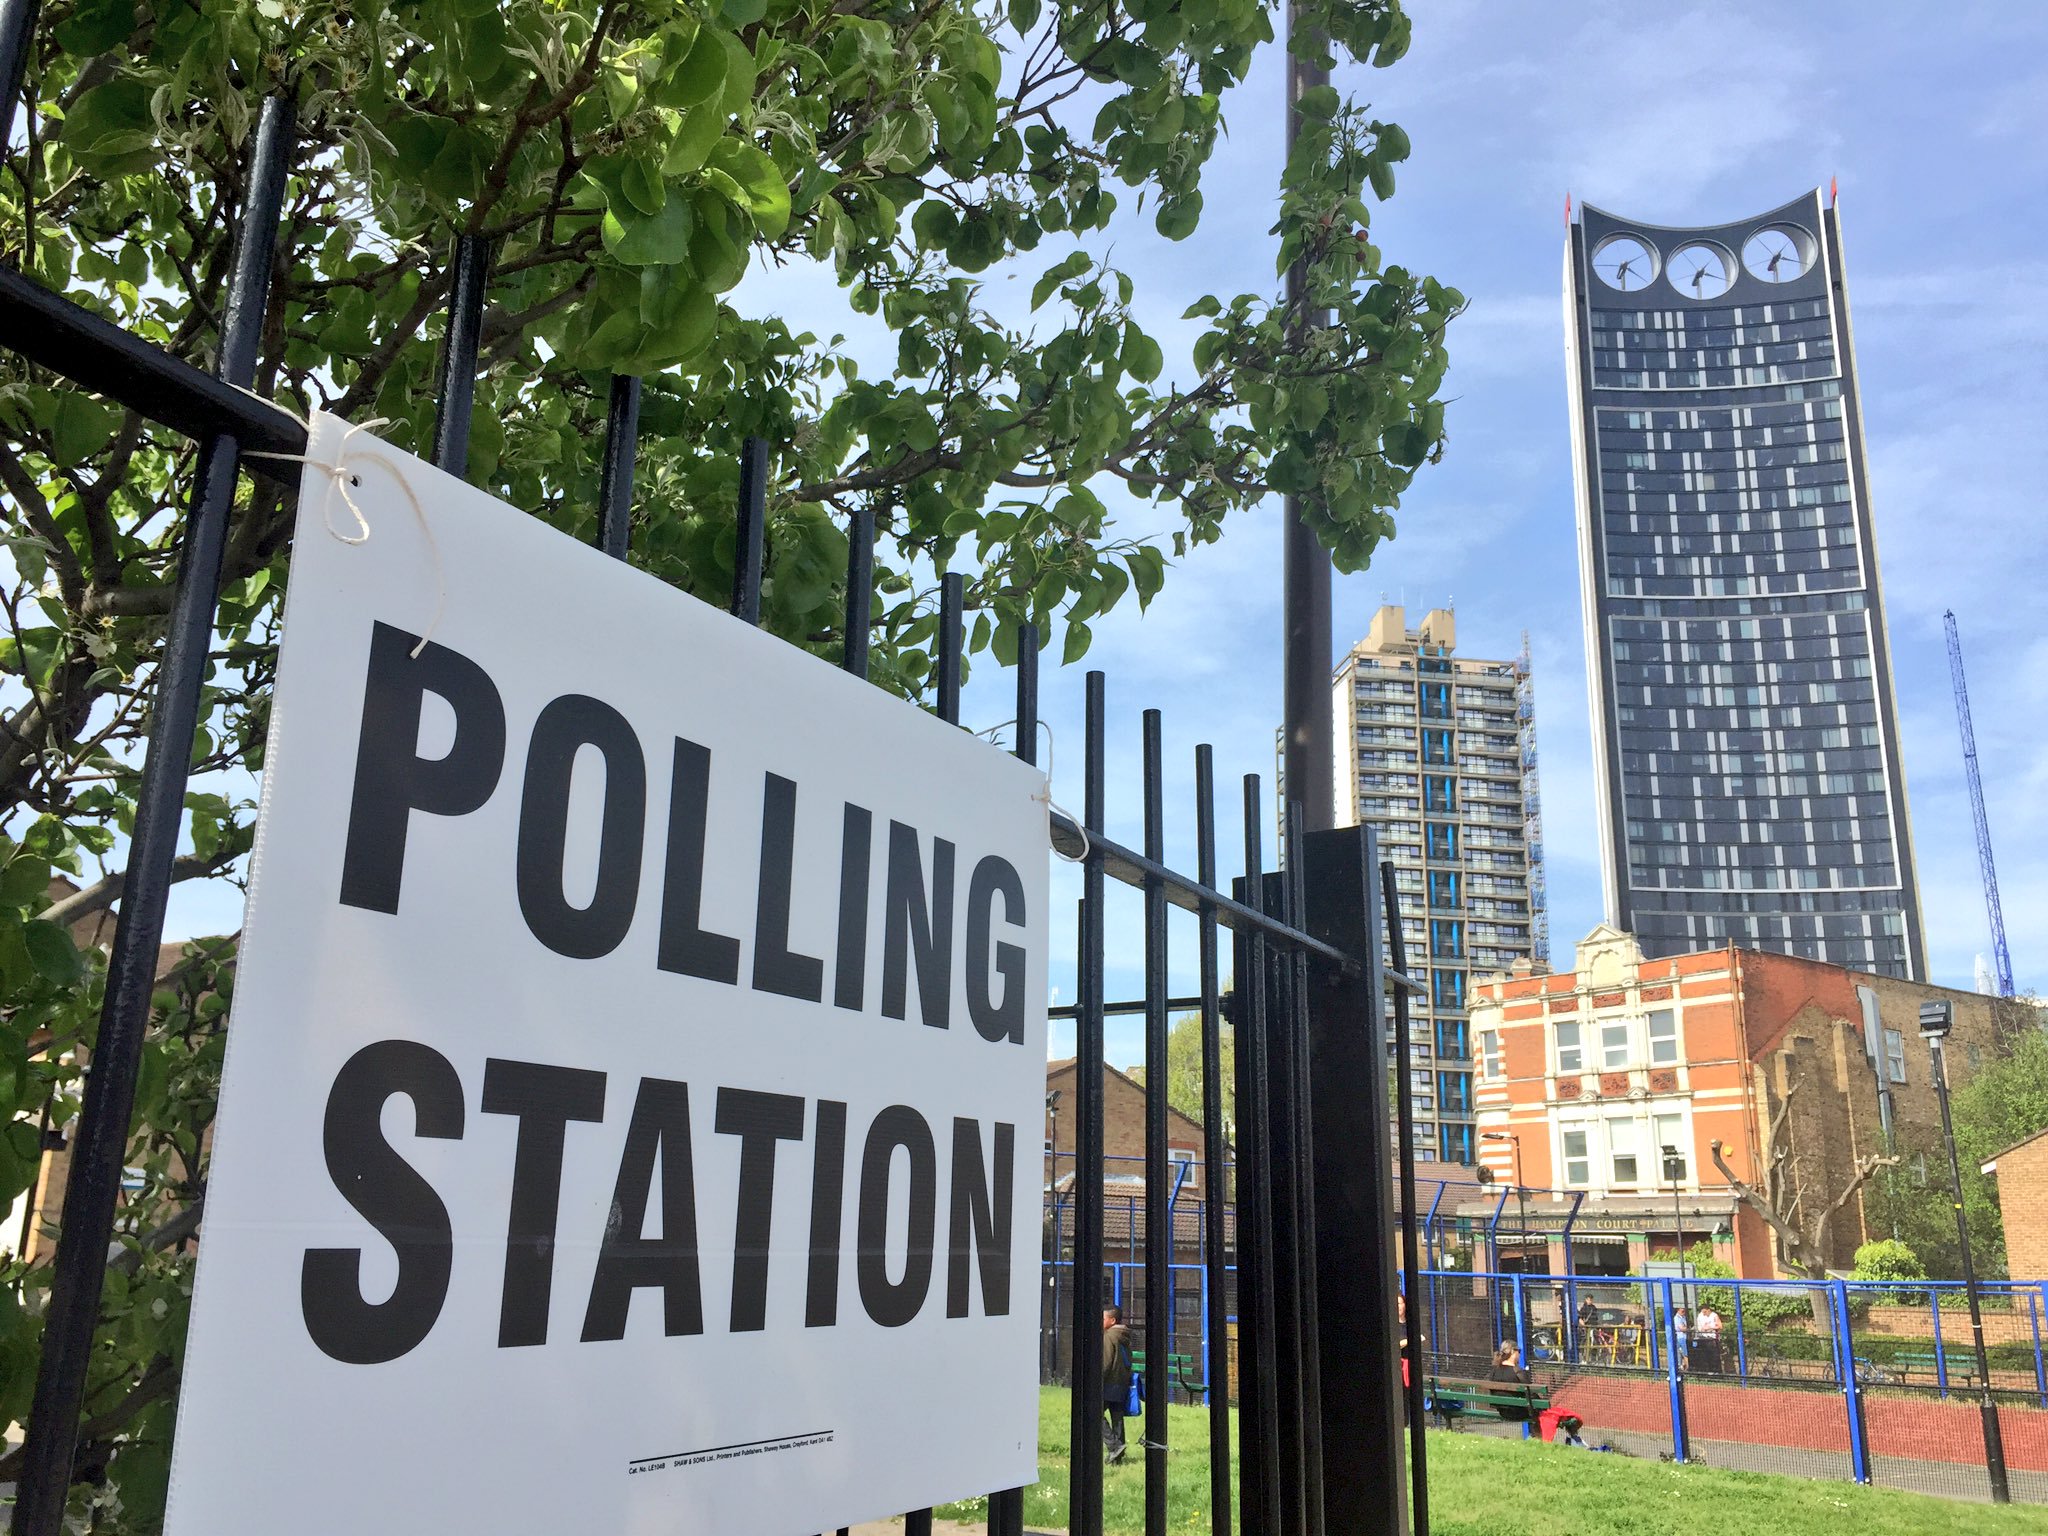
(1674, 1170)
(1937, 1018)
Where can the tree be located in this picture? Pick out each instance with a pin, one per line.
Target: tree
(2004, 1102)
(628, 160)
(1184, 1069)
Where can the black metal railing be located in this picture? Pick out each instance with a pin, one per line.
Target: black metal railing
(1312, 1142)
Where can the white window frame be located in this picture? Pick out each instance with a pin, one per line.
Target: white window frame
(1654, 1040)
(1616, 1151)
(1895, 1055)
(1677, 1143)
(1577, 1047)
(1490, 1064)
(1584, 1131)
(1607, 1045)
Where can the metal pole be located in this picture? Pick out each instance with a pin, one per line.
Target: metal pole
(99, 1147)
(456, 387)
(1411, 1260)
(1994, 1439)
(615, 490)
(17, 28)
(1215, 1326)
(1305, 575)
(751, 533)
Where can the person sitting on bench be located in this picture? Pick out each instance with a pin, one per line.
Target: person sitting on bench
(1507, 1367)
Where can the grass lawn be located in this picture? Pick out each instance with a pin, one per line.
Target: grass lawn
(1486, 1487)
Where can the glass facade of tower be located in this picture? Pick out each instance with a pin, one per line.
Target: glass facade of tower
(1744, 726)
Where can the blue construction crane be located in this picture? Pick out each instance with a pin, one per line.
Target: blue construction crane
(2001, 957)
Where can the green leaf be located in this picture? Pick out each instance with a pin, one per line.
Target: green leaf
(1065, 270)
(700, 76)
(1141, 356)
(1404, 443)
(1078, 640)
(1178, 216)
(1203, 308)
(760, 180)
(83, 427)
(95, 26)
(1024, 14)
(660, 241)
(109, 123)
(744, 13)
(1319, 102)
(52, 953)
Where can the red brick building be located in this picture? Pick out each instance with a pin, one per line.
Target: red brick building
(1797, 1068)
(2022, 1173)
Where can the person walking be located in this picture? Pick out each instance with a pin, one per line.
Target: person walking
(1116, 1378)
(1706, 1339)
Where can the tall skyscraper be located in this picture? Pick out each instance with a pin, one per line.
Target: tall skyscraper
(1439, 752)
(1745, 735)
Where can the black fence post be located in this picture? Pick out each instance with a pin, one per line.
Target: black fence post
(1006, 1507)
(1363, 1488)
(17, 29)
(455, 389)
(1415, 1362)
(621, 447)
(860, 594)
(1158, 1173)
(1215, 1191)
(750, 538)
(100, 1145)
(1085, 1497)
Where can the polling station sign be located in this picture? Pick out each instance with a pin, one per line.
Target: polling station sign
(630, 1119)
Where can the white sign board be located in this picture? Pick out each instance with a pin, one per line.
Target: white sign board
(631, 1113)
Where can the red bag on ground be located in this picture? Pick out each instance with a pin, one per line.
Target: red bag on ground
(1547, 1420)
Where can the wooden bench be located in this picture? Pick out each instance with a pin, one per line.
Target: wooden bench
(1451, 1398)
(1958, 1372)
(1179, 1369)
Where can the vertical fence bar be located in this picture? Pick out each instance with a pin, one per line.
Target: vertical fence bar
(1304, 1189)
(1669, 1334)
(17, 31)
(1158, 1235)
(1741, 1344)
(919, 1521)
(1215, 1188)
(1005, 1507)
(952, 597)
(1852, 1388)
(2034, 1301)
(1259, 1430)
(1282, 1190)
(1364, 1489)
(1940, 1355)
(1414, 1364)
(1086, 1494)
(621, 447)
(100, 1144)
(860, 597)
(1518, 1288)
(455, 388)
(750, 535)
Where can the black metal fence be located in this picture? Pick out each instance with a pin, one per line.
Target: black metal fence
(1312, 1148)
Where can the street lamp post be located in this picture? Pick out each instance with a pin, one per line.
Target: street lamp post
(1937, 1018)
(1674, 1170)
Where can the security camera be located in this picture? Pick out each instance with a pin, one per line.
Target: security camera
(1937, 1018)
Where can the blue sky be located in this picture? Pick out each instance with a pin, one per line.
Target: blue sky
(1932, 125)
(1931, 120)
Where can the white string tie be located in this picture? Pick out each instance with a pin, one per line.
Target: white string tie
(343, 479)
(1045, 795)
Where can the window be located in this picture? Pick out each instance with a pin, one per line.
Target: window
(1489, 1052)
(1568, 1059)
(1669, 1132)
(1578, 1167)
(1663, 1038)
(1621, 1145)
(1614, 1046)
(1181, 1157)
(1895, 1055)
